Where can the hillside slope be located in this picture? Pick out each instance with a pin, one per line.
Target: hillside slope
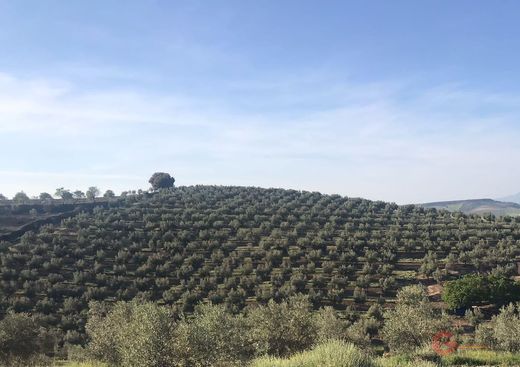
(240, 246)
(512, 198)
(477, 206)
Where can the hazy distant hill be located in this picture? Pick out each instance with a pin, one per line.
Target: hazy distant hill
(477, 206)
(511, 199)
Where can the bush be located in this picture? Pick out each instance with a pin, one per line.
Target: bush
(412, 323)
(482, 358)
(213, 337)
(20, 340)
(332, 354)
(473, 289)
(131, 334)
(503, 332)
(329, 326)
(281, 329)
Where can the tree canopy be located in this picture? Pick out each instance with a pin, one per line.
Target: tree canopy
(161, 180)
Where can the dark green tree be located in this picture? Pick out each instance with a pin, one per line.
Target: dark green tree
(161, 180)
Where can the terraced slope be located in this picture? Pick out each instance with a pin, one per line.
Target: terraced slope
(240, 246)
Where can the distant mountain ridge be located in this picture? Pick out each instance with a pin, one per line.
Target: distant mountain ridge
(511, 199)
(477, 206)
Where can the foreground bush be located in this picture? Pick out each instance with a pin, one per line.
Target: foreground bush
(482, 358)
(131, 334)
(503, 331)
(281, 329)
(330, 354)
(21, 341)
(213, 337)
(412, 323)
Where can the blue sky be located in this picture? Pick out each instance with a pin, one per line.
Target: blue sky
(404, 101)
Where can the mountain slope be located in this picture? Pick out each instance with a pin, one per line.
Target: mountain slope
(477, 206)
(512, 198)
(240, 246)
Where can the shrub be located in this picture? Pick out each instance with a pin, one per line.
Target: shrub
(281, 329)
(357, 334)
(213, 337)
(484, 335)
(412, 322)
(473, 289)
(506, 328)
(482, 358)
(131, 334)
(329, 326)
(503, 331)
(19, 340)
(332, 354)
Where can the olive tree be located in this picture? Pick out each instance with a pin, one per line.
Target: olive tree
(63, 193)
(109, 194)
(213, 337)
(131, 334)
(21, 197)
(503, 331)
(45, 196)
(412, 322)
(19, 339)
(92, 192)
(281, 329)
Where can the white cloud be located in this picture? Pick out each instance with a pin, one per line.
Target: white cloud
(308, 132)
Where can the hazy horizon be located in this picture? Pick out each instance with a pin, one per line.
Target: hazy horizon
(405, 102)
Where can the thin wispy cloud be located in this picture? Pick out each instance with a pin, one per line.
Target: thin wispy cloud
(355, 137)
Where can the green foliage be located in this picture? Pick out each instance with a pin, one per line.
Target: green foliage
(474, 289)
(482, 358)
(20, 197)
(329, 326)
(234, 246)
(474, 317)
(92, 192)
(213, 337)
(331, 354)
(20, 340)
(281, 329)
(503, 331)
(131, 335)
(403, 361)
(161, 180)
(412, 323)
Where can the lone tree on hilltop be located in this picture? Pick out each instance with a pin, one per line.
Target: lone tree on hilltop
(161, 180)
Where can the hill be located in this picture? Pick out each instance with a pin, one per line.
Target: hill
(477, 206)
(512, 198)
(242, 246)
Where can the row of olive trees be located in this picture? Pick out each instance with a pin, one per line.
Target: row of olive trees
(62, 193)
(159, 180)
(145, 334)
